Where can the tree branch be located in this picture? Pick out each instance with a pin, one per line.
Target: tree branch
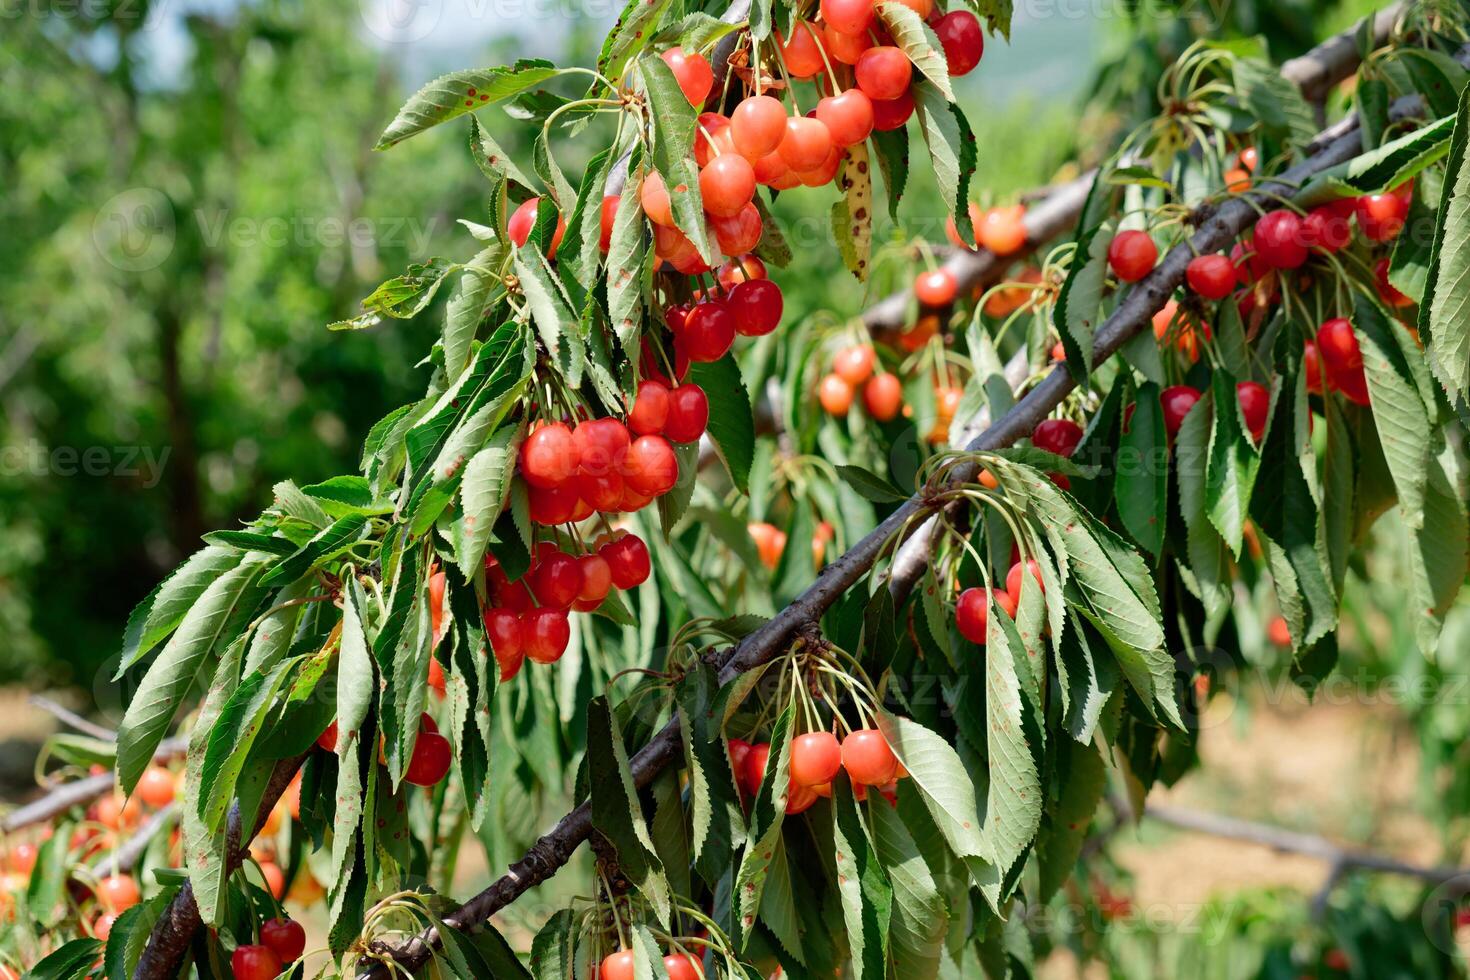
(71, 719)
(78, 792)
(1132, 316)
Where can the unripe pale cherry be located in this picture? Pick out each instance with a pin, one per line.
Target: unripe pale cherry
(854, 364)
(816, 758)
(835, 395)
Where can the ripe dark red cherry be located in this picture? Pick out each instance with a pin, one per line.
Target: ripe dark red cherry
(650, 467)
(552, 505)
(1211, 276)
(1327, 228)
(1013, 577)
(285, 937)
(628, 559)
(600, 445)
(1343, 359)
(891, 114)
(1132, 255)
(739, 750)
(523, 219)
(549, 457)
(252, 962)
(708, 332)
(557, 578)
(935, 288)
(688, 413)
(430, 760)
(753, 769)
(1255, 406)
(756, 305)
(815, 758)
(1382, 216)
(883, 72)
(963, 41)
(1176, 402)
(867, 757)
(693, 73)
(682, 966)
(741, 268)
(883, 397)
(650, 408)
(609, 214)
(1387, 291)
(503, 630)
(1279, 239)
(596, 579)
(1060, 436)
(972, 615)
(1312, 364)
(545, 633)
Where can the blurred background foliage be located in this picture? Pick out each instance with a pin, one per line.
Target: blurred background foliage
(190, 197)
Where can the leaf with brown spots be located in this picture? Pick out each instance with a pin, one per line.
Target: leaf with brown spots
(852, 217)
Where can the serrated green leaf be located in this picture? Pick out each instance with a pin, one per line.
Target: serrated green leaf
(616, 811)
(731, 421)
(453, 95)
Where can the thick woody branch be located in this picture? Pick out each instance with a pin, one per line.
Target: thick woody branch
(1133, 315)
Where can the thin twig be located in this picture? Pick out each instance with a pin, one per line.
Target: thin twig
(73, 720)
(78, 792)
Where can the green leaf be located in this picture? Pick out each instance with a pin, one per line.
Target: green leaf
(478, 287)
(1083, 779)
(626, 258)
(778, 904)
(130, 933)
(630, 36)
(1398, 410)
(1438, 558)
(230, 739)
(323, 547)
(1141, 471)
(920, 916)
(484, 491)
(951, 146)
(892, 147)
(1444, 313)
(870, 485)
(717, 821)
(1078, 308)
(616, 811)
(919, 42)
(165, 607)
(731, 423)
(1208, 559)
(1014, 743)
(1230, 472)
(867, 898)
(453, 95)
(767, 813)
(169, 678)
(673, 151)
(553, 951)
(852, 214)
(493, 161)
(70, 961)
(555, 322)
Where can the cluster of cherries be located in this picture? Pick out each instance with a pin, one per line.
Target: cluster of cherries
(282, 941)
(620, 966)
(852, 367)
(528, 618)
(427, 766)
(744, 302)
(770, 542)
(972, 610)
(816, 759)
(1254, 398)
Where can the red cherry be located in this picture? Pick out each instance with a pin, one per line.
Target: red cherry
(803, 53)
(523, 219)
(756, 305)
(823, 175)
(848, 116)
(1255, 405)
(891, 114)
(835, 395)
(1176, 402)
(1013, 577)
(848, 16)
(552, 505)
(884, 72)
(609, 213)
(727, 184)
(436, 677)
(155, 788)
(328, 738)
(963, 41)
(815, 758)
(650, 408)
(557, 578)
(854, 364)
(739, 749)
(867, 757)
(883, 396)
(255, 963)
(1279, 239)
(805, 144)
(1382, 216)
(654, 197)
(799, 799)
(1211, 276)
(22, 858)
(972, 615)
(545, 633)
(936, 288)
(596, 578)
(650, 467)
(688, 413)
(617, 966)
(708, 332)
(741, 269)
(693, 73)
(682, 966)
(1312, 364)
(1326, 228)
(549, 457)
(1132, 255)
(503, 630)
(757, 125)
(430, 761)
(740, 232)
(601, 445)
(712, 138)
(628, 560)
(118, 893)
(754, 769)
(1249, 266)
(1060, 436)
(1387, 291)
(285, 937)
(1343, 359)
